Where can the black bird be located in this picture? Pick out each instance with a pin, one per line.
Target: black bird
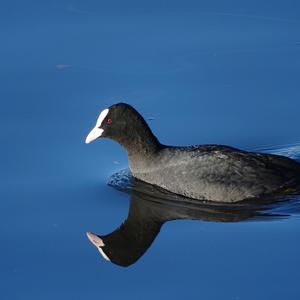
(208, 172)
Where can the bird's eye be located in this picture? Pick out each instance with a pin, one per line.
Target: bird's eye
(109, 121)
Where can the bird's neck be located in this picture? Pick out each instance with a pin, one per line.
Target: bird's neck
(140, 143)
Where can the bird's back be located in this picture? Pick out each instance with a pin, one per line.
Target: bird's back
(218, 173)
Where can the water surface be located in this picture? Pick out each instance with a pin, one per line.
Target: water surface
(209, 72)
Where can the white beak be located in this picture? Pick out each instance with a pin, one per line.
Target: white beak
(96, 131)
(94, 134)
(95, 239)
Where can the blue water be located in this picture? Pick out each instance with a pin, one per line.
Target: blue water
(224, 72)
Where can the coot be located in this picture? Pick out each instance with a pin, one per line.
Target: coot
(207, 172)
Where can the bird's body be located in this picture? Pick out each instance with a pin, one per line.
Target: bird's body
(208, 172)
(215, 172)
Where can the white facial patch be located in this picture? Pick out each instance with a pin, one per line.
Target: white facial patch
(103, 254)
(96, 131)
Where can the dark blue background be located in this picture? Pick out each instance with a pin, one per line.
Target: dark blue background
(222, 72)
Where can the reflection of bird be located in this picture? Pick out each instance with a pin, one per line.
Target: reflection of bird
(211, 172)
(150, 208)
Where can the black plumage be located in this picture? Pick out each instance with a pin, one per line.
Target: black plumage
(211, 172)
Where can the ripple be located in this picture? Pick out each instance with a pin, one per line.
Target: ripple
(289, 150)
